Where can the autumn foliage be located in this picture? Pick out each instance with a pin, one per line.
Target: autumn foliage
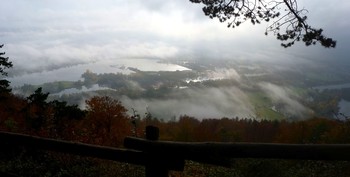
(105, 121)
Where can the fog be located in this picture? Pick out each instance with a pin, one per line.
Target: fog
(42, 36)
(217, 74)
(344, 108)
(61, 39)
(200, 103)
(286, 100)
(74, 72)
(94, 87)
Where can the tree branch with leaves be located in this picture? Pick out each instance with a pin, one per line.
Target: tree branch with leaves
(4, 64)
(288, 20)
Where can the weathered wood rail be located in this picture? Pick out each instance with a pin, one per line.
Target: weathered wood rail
(159, 157)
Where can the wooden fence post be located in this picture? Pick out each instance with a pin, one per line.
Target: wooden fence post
(154, 166)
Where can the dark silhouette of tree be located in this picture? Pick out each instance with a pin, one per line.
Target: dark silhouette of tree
(285, 14)
(4, 64)
(37, 109)
(38, 97)
(63, 118)
(90, 78)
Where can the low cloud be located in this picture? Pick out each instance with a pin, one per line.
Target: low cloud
(286, 101)
(40, 36)
(39, 58)
(200, 103)
(224, 73)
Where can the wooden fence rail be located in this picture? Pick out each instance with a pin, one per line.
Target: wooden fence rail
(161, 156)
(109, 153)
(193, 151)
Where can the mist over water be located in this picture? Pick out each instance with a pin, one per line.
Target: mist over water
(61, 40)
(217, 74)
(224, 89)
(94, 87)
(74, 72)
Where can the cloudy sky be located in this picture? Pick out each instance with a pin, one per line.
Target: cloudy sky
(45, 33)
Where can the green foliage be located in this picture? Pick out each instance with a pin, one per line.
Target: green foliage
(263, 107)
(58, 86)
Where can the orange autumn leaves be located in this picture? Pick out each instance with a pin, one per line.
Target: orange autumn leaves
(105, 121)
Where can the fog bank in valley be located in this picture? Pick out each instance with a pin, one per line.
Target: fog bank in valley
(285, 100)
(200, 103)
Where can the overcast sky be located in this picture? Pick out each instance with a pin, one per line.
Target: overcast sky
(41, 33)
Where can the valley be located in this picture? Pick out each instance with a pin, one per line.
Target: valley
(207, 88)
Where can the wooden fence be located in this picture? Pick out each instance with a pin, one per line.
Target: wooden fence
(159, 157)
